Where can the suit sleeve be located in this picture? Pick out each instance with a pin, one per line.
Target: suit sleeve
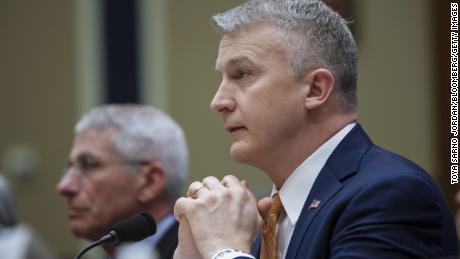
(395, 218)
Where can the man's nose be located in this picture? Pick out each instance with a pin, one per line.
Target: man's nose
(223, 100)
(69, 183)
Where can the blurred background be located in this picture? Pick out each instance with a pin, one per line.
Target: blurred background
(60, 58)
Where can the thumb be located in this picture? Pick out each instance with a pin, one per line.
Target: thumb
(186, 247)
(263, 205)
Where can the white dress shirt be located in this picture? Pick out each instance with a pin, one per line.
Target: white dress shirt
(296, 189)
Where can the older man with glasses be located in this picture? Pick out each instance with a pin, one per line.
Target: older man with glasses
(125, 159)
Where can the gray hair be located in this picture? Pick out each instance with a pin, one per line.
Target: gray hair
(316, 37)
(8, 217)
(144, 133)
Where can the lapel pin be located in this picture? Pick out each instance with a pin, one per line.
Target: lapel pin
(314, 204)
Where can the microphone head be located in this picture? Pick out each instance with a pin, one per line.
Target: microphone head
(134, 228)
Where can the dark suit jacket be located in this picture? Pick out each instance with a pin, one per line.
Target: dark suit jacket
(373, 204)
(168, 242)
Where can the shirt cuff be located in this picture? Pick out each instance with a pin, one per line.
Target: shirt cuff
(229, 253)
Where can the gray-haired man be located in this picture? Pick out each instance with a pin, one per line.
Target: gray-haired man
(125, 159)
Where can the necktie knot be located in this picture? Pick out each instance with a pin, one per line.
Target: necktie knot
(277, 206)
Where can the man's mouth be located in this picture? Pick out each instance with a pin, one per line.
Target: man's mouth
(233, 129)
(74, 212)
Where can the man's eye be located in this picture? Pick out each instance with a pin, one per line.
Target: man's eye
(241, 73)
(88, 163)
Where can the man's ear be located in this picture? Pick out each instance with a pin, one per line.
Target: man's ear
(153, 177)
(319, 83)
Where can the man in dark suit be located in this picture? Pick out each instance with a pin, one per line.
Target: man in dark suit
(125, 159)
(288, 99)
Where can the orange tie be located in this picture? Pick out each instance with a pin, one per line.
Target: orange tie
(268, 250)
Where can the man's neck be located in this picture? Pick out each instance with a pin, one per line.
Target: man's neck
(161, 207)
(282, 164)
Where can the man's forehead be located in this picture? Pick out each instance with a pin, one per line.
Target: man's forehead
(93, 141)
(105, 132)
(248, 45)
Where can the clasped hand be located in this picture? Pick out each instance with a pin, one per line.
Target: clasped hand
(217, 215)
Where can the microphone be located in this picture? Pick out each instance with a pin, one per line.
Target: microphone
(134, 228)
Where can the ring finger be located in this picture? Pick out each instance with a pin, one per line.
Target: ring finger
(195, 188)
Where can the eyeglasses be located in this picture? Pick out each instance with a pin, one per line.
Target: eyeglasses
(86, 164)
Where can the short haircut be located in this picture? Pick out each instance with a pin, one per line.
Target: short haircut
(315, 37)
(143, 133)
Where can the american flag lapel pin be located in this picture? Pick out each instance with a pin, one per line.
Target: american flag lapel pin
(314, 204)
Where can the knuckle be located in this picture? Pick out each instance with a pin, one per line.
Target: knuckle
(229, 177)
(227, 195)
(180, 202)
(180, 206)
(211, 198)
(240, 193)
(210, 179)
(207, 178)
(193, 185)
(199, 205)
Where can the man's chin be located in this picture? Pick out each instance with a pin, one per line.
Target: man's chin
(239, 153)
(82, 231)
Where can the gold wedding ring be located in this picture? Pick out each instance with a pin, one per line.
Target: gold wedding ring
(194, 188)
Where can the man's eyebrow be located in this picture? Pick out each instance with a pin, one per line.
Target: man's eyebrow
(85, 155)
(234, 61)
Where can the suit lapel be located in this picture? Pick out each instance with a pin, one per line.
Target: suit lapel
(255, 249)
(168, 242)
(326, 185)
(342, 163)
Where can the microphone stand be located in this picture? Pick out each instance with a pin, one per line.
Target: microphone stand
(104, 239)
(134, 228)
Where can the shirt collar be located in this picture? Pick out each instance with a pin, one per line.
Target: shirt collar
(296, 189)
